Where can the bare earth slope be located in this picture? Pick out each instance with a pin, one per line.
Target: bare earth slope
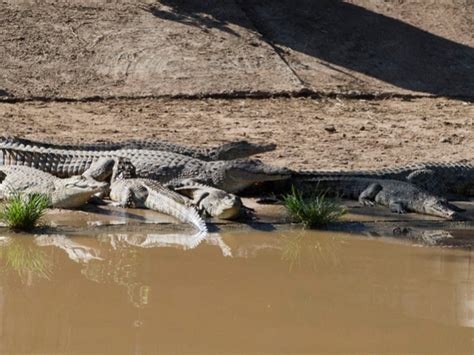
(122, 48)
(373, 46)
(193, 47)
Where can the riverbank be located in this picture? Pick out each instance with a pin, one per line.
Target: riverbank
(309, 133)
(376, 222)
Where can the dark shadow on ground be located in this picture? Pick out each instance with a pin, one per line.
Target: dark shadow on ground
(345, 35)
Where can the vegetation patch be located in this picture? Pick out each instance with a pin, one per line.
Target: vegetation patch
(315, 211)
(22, 212)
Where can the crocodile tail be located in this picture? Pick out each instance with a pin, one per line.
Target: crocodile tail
(183, 213)
(169, 202)
(195, 219)
(197, 238)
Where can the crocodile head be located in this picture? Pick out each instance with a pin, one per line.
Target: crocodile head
(240, 149)
(102, 169)
(75, 191)
(214, 202)
(220, 204)
(109, 169)
(438, 207)
(236, 175)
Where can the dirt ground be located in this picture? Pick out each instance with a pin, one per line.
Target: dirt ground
(329, 133)
(132, 48)
(130, 55)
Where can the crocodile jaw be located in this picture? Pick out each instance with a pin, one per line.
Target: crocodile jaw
(73, 198)
(439, 208)
(222, 205)
(241, 149)
(75, 191)
(238, 178)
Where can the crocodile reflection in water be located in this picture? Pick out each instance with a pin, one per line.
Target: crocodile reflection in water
(83, 254)
(300, 248)
(123, 268)
(180, 241)
(132, 272)
(75, 251)
(115, 259)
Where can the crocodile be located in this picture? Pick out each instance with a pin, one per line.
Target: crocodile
(72, 192)
(227, 151)
(399, 196)
(146, 193)
(209, 200)
(439, 178)
(166, 167)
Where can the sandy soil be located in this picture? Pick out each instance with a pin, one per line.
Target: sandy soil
(142, 48)
(130, 48)
(136, 49)
(373, 46)
(330, 133)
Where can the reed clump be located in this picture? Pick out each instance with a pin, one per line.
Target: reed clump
(314, 211)
(22, 212)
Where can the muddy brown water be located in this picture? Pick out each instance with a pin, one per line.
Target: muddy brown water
(237, 292)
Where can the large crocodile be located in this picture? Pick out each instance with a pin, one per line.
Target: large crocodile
(438, 178)
(208, 200)
(165, 167)
(227, 151)
(146, 193)
(72, 192)
(399, 196)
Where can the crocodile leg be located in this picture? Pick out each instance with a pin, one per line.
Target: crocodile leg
(397, 207)
(102, 169)
(420, 176)
(372, 195)
(367, 197)
(125, 199)
(427, 179)
(132, 197)
(196, 198)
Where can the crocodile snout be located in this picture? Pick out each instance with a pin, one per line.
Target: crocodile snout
(441, 209)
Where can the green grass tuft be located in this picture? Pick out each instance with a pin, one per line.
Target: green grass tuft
(21, 212)
(316, 211)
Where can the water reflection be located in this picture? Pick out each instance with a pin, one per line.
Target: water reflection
(122, 267)
(316, 251)
(76, 252)
(24, 260)
(151, 240)
(299, 291)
